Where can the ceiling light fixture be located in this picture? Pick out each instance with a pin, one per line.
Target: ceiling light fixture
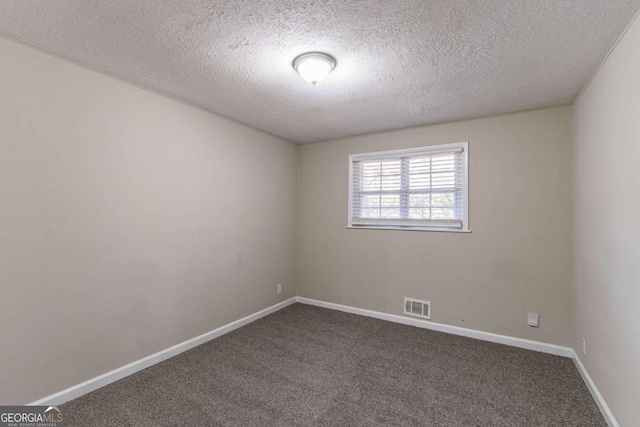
(314, 66)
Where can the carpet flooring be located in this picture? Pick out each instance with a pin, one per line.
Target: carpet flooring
(309, 366)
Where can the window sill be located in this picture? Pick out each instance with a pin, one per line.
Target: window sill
(371, 227)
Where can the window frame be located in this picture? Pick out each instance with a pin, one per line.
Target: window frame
(427, 150)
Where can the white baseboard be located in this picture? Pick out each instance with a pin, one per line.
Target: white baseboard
(595, 393)
(124, 371)
(440, 327)
(485, 336)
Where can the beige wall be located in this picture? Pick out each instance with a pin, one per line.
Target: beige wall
(517, 258)
(130, 223)
(606, 159)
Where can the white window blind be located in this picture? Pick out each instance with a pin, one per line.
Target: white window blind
(418, 188)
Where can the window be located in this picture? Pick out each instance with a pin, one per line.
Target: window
(417, 189)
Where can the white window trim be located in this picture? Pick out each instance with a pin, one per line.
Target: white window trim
(427, 149)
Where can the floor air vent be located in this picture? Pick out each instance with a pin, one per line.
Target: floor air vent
(418, 308)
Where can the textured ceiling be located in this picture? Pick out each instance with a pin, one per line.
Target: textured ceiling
(400, 63)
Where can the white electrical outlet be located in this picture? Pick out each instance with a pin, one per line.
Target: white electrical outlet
(279, 289)
(533, 319)
(584, 345)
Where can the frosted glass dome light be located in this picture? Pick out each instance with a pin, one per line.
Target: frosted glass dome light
(314, 66)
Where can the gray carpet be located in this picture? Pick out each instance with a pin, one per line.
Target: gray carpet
(308, 366)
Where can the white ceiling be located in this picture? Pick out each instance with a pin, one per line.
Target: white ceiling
(400, 63)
